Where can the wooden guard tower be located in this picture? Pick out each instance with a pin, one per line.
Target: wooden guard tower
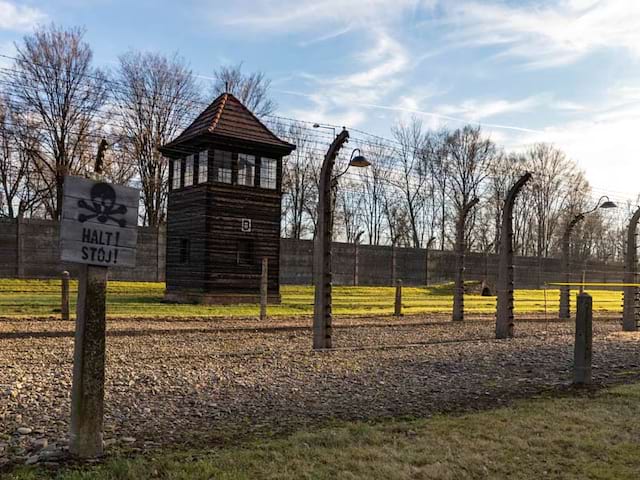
(223, 213)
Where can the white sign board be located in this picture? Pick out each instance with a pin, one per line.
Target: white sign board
(99, 223)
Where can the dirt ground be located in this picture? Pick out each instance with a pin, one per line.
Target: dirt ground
(183, 383)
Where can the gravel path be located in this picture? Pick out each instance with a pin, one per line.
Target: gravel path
(198, 382)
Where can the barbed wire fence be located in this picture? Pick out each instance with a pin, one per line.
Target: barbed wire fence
(312, 142)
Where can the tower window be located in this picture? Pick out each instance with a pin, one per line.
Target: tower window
(176, 174)
(203, 166)
(268, 173)
(222, 166)
(244, 255)
(246, 169)
(185, 250)
(188, 171)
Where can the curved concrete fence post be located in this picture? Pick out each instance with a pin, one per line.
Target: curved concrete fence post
(630, 276)
(322, 329)
(504, 307)
(565, 308)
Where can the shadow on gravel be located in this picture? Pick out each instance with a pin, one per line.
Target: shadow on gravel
(173, 331)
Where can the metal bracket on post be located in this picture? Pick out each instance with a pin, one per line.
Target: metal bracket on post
(504, 308)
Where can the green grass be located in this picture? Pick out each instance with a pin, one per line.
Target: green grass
(579, 437)
(41, 298)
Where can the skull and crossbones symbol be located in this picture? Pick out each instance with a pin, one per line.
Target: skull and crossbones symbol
(103, 205)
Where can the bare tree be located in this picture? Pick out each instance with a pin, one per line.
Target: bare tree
(56, 86)
(33, 192)
(503, 172)
(437, 151)
(398, 223)
(251, 89)
(12, 171)
(348, 213)
(550, 192)
(119, 167)
(577, 200)
(524, 232)
(311, 206)
(413, 176)
(469, 157)
(298, 179)
(374, 187)
(156, 96)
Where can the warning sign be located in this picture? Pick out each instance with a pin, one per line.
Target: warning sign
(99, 223)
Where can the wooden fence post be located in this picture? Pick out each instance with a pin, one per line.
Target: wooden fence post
(264, 288)
(397, 310)
(64, 305)
(87, 394)
(583, 345)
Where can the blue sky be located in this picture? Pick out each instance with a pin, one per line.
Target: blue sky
(561, 71)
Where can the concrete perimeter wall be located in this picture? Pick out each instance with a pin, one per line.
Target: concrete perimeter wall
(29, 249)
(377, 265)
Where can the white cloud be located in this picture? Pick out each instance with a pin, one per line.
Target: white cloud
(476, 110)
(598, 131)
(296, 15)
(403, 108)
(374, 70)
(326, 36)
(339, 99)
(602, 142)
(386, 59)
(552, 35)
(568, 106)
(19, 17)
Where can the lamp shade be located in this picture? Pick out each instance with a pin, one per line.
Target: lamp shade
(359, 161)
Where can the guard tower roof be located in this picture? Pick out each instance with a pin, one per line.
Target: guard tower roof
(226, 120)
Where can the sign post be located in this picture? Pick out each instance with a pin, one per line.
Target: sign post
(98, 230)
(64, 303)
(87, 391)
